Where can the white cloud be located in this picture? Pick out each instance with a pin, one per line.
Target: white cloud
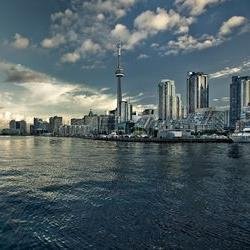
(143, 56)
(20, 42)
(100, 17)
(162, 20)
(92, 22)
(84, 28)
(88, 46)
(196, 7)
(53, 42)
(231, 24)
(150, 23)
(70, 57)
(189, 43)
(62, 29)
(65, 18)
(228, 71)
(116, 8)
(155, 45)
(130, 40)
(87, 28)
(120, 33)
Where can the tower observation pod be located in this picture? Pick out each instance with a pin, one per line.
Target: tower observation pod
(119, 73)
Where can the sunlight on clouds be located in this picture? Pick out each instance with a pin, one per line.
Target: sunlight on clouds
(188, 43)
(31, 93)
(20, 42)
(40, 94)
(228, 26)
(196, 7)
(231, 70)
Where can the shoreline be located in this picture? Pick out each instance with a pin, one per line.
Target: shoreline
(140, 140)
(174, 140)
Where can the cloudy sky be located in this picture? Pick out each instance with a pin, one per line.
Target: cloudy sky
(57, 57)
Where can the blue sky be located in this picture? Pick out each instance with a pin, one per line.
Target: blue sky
(57, 56)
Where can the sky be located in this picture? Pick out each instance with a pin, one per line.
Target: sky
(58, 57)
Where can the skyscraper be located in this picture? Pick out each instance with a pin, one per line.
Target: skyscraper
(54, 124)
(124, 111)
(197, 91)
(119, 74)
(40, 126)
(167, 100)
(130, 111)
(18, 127)
(178, 106)
(239, 97)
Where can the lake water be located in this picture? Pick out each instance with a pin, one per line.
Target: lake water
(78, 194)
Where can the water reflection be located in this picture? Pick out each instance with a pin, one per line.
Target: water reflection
(235, 151)
(75, 193)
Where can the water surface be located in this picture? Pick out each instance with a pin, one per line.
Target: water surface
(78, 194)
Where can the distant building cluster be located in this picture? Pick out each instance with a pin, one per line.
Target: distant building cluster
(171, 119)
(89, 125)
(16, 128)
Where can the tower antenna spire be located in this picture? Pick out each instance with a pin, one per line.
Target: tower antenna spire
(119, 54)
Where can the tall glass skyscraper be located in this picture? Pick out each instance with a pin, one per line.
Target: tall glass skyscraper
(167, 100)
(239, 97)
(178, 107)
(197, 91)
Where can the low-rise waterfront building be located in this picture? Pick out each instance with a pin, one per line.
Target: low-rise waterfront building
(77, 121)
(106, 124)
(205, 120)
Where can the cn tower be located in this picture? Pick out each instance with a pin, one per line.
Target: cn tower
(119, 74)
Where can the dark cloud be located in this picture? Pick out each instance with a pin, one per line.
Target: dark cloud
(20, 74)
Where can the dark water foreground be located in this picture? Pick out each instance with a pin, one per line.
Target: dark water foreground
(78, 194)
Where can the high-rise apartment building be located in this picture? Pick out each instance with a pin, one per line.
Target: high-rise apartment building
(54, 124)
(197, 91)
(239, 97)
(179, 114)
(18, 127)
(130, 111)
(39, 127)
(167, 100)
(124, 111)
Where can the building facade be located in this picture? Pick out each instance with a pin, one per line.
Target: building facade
(77, 121)
(18, 127)
(239, 98)
(106, 124)
(40, 127)
(167, 100)
(54, 124)
(197, 91)
(179, 110)
(124, 112)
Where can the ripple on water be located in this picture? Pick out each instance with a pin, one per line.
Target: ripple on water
(74, 193)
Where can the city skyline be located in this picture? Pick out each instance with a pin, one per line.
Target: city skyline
(42, 72)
